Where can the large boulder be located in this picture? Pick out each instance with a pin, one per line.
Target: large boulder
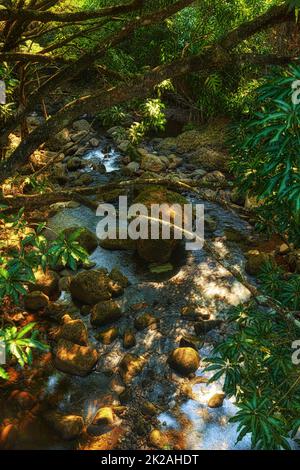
(94, 286)
(74, 331)
(68, 427)
(153, 163)
(57, 142)
(46, 282)
(160, 250)
(255, 261)
(75, 359)
(213, 136)
(105, 313)
(209, 159)
(81, 125)
(86, 238)
(36, 300)
(184, 360)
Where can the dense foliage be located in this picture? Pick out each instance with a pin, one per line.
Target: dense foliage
(257, 362)
(266, 154)
(22, 251)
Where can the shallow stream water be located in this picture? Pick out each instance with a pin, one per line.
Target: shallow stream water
(202, 428)
(195, 278)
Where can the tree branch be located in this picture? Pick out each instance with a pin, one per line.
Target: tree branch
(49, 16)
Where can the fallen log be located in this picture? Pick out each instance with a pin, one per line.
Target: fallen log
(33, 201)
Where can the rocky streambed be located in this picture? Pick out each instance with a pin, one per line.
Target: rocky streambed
(128, 335)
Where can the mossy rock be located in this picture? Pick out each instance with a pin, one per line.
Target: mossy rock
(117, 245)
(131, 366)
(118, 277)
(94, 286)
(36, 301)
(184, 360)
(105, 313)
(255, 261)
(145, 321)
(158, 251)
(75, 331)
(108, 336)
(129, 340)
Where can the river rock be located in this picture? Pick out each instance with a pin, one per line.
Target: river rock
(210, 223)
(131, 366)
(116, 244)
(152, 163)
(105, 313)
(81, 125)
(168, 145)
(234, 235)
(184, 360)
(118, 277)
(75, 359)
(255, 261)
(132, 167)
(158, 251)
(109, 335)
(124, 146)
(205, 326)
(74, 163)
(174, 161)
(74, 331)
(214, 177)
(46, 282)
(95, 142)
(158, 439)
(129, 340)
(59, 173)
(79, 136)
(57, 142)
(216, 401)
(68, 427)
(213, 136)
(103, 422)
(94, 286)
(149, 409)
(209, 159)
(36, 301)
(145, 321)
(86, 238)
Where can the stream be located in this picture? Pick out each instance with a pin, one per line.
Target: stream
(195, 278)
